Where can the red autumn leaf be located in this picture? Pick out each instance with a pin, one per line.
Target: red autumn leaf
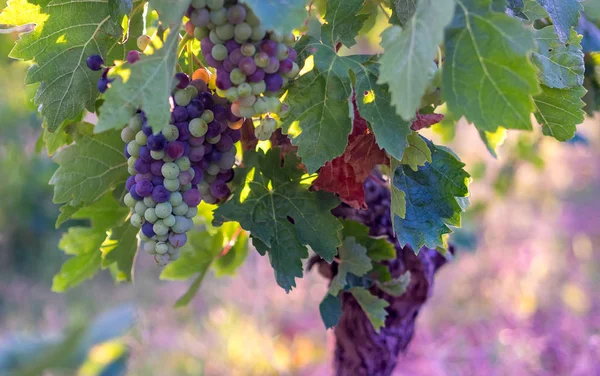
(346, 174)
(426, 121)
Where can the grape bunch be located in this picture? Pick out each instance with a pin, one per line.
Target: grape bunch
(172, 171)
(253, 65)
(96, 63)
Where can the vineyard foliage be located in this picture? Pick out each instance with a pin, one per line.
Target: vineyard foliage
(501, 65)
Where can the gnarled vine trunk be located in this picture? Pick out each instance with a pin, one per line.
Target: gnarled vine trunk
(360, 351)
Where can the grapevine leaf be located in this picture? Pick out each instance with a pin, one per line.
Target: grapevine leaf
(425, 121)
(431, 199)
(104, 214)
(343, 21)
(559, 111)
(409, 54)
(417, 153)
(283, 16)
(560, 64)
(66, 212)
(340, 178)
(77, 270)
(57, 139)
(397, 197)
(145, 85)
(170, 11)
(534, 11)
(120, 248)
(67, 32)
(516, 7)
(397, 286)
(373, 306)
(331, 310)
(227, 264)
(374, 104)
(487, 75)
(353, 259)
(493, 140)
(79, 240)
(378, 249)
(282, 213)
(403, 11)
(90, 168)
(564, 15)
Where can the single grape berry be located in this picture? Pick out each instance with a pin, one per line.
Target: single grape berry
(133, 56)
(183, 80)
(95, 62)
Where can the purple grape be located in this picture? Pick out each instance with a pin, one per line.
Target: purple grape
(175, 149)
(196, 153)
(134, 194)
(155, 168)
(214, 129)
(139, 177)
(292, 54)
(198, 177)
(223, 80)
(126, 153)
(157, 180)
(192, 197)
(183, 80)
(247, 65)
(269, 47)
(95, 62)
(144, 188)
(235, 135)
(180, 114)
(223, 125)
(286, 66)
(274, 82)
(105, 72)
(236, 56)
(226, 176)
(148, 229)
(228, 66)
(219, 189)
(157, 142)
(273, 66)
(224, 144)
(184, 131)
(133, 56)
(236, 14)
(207, 100)
(231, 45)
(160, 194)
(207, 148)
(195, 108)
(257, 76)
(186, 148)
(211, 61)
(103, 84)
(147, 130)
(196, 141)
(200, 17)
(200, 85)
(145, 154)
(206, 45)
(220, 112)
(214, 155)
(130, 181)
(142, 166)
(231, 117)
(185, 177)
(203, 164)
(177, 240)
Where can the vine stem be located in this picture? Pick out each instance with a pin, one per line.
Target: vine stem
(183, 43)
(190, 59)
(231, 242)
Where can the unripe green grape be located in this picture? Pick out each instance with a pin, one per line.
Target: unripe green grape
(133, 148)
(129, 200)
(185, 187)
(131, 170)
(182, 98)
(175, 199)
(237, 77)
(214, 38)
(244, 89)
(210, 178)
(192, 91)
(199, 4)
(215, 4)
(140, 208)
(163, 210)
(200, 32)
(219, 52)
(131, 161)
(166, 158)
(180, 209)
(247, 101)
(213, 169)
(149, 202)
(219, 16)
(135, 123)
(160, 154)
(294, 72)
(143, 237)
(141, 138)
(127, 135)
(192, 212)
(258, 87)
(192, 172)
(208, 116)
(261, 60)
(285, 110)
(149, 247)
(273, 104)
(161, 248)
(170, 132)
(172, 185)
(265, 129)
(225, 31)
(210, 199)
(232, 94)
(162, 260)
(282, 52)
(136, 220)
(248, 49)
(261, 105)
(170, 170)
(242, 32)
(181, 225)
(204, 188)
(258, 33)
(286, 82)
(174, 256)
(276, 36)
(198, 127)
(214, 140)
(143, 41)
(150, 215)
(289, 39)
(183, 163)
(251, 18)
(169, 221)
(247, 112)
(162, 238)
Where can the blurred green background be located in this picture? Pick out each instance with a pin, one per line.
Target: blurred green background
(520, 298)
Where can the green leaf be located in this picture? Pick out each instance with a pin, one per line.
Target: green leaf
(170, 11)
(283, 16)
(403, 11)
(105, 213)
(417, 153)
(67, 32)
(80, 240)
(373, 307)
(564, 15)
(343, 21)
(282, 213)
(77, 270)
(397, 286)
(66, 212)
(146, 85)
(487, 59)
(431, 199)
(397, 197)
(560, 64)
(493, 140)
(378, 249)
(534, 11)
(90, 168)
(331, 310)
(234, 258)
(559, 111)
(60, 137)
(353, 259)
(409, 54)
(121, 248)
